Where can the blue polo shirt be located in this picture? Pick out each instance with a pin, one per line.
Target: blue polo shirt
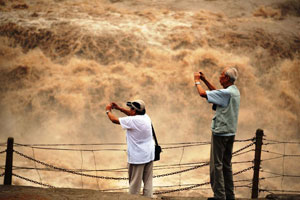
(220, 98)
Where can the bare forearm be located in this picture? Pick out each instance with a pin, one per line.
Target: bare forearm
(201, 91)
(113, 118)
(202, 77)
(197, 77)
(209, 85)
(123, 110)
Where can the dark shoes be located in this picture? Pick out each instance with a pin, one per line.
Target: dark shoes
(212, 198)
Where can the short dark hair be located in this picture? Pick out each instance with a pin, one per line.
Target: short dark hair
(140, 112)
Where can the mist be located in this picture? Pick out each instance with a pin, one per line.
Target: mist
(62, 62)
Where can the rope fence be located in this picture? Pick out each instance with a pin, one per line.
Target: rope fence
(278, 156)
(183, 167)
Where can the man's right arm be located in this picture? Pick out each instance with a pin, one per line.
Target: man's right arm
(219, 97)
(200, 90)
(123, 110)
(206, 82)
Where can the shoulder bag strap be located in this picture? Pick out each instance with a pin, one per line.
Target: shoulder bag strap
(154, 136)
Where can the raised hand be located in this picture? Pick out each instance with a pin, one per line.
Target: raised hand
(196, 76)
(108, 107)
(202, 76)
(115, 106)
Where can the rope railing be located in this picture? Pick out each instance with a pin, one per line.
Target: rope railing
(76, 170)
(67, 170)
(198, 185)
(160, 167)
(120, 144)
(271, 142)
(184, 167)
(182, 185)
(126, 188)
(272, 155)
(51, 145)
(281, 191)
(1, 152)
(175, 145)
(80, 150)
(280, 175)
(161, 192)
(190, 186)
(281, 154)
(124, 169)
(104, 177)
(120, 178)
(32, 181)
(273, 158)
(242, 149)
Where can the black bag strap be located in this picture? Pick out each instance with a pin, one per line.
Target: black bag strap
(154, 136)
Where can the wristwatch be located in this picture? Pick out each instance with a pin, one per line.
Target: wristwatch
(197, 83)
(107, 111)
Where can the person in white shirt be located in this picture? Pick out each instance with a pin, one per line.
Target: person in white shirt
(140, 144)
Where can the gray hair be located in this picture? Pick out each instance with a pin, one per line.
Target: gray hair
(232, 73)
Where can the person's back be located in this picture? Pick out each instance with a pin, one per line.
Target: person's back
(140, 144)
(139, 138)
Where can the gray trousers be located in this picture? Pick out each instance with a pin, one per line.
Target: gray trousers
(138, 173)
(221, 179)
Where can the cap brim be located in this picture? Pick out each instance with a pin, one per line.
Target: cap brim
(129, 104)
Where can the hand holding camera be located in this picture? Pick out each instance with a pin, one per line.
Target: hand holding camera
(197, 77)
(108, 107)
(115, 106)
(202, 76)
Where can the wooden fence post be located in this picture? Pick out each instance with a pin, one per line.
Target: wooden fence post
(9, 161)
(255, 180)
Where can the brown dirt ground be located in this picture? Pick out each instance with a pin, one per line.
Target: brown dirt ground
(35, 193)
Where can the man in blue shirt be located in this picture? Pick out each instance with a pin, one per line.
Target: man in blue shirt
(226, 102)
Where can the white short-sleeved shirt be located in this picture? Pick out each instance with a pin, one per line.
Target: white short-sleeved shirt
(140, 143)
(221, 98)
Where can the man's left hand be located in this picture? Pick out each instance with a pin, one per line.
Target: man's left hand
(108, 107)
(197, 76)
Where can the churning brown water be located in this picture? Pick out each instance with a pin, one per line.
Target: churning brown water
(62, 61)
